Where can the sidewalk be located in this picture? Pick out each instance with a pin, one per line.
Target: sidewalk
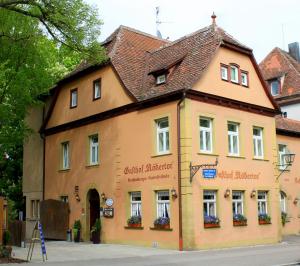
(70, 251)
(61, 251)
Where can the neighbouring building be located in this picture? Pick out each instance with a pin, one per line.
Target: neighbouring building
(120, 137)
(281, 71)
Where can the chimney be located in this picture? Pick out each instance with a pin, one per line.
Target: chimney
(294, 51)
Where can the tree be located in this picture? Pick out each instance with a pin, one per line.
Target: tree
(69, 22)
(40, 40)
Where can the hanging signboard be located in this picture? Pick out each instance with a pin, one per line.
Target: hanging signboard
(108, 212)
(209, 173)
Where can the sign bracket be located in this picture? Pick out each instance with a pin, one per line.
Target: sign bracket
(195, 168)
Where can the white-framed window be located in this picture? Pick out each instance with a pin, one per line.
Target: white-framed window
(224, 72)
(64, 199)
(35, 208)
(282, 150)
(283, 202)
(74, 98)
(258, 145)
(206, 135)
(234, 74)
(161, 79)
(238, 202)
(244, 78)
(97, 89)
(262, 201)
(233, 139)
(162, 135)
(94, 150)
(65, 155)
(163, 204)
(209, 203)
(274, 87)
(136, 203)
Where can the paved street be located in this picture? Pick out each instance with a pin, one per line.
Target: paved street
(63, 253)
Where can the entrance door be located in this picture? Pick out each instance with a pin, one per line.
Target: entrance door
(94, 200)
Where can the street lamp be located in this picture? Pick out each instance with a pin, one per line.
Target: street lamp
(288, 160)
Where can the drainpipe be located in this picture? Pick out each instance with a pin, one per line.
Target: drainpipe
(44, 146)
(179, 171)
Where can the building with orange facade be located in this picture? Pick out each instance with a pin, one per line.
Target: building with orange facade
(123, 139)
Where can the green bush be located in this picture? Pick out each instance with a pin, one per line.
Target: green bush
(97, 226)
(283, 218)
(77, 225)
(6, 238)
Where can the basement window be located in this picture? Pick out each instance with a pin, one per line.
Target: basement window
(161, 79)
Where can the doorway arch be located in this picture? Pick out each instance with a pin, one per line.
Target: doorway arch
(93, 200)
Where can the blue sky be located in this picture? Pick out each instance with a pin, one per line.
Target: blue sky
(260, 24)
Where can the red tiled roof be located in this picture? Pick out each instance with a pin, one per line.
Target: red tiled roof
(135, 55)
(287, 125)
(279, 63)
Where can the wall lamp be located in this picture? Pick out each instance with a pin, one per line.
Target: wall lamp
(253, 193)
(76, 193)
(288, 160)
(103, 196)
(174, 193)
(296, 200)
(227, 193)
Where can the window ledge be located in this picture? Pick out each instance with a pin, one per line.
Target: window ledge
(239, 224)
(162, 154)
(92, 165)
(236, 156)
(161, 229)
(209, 154)
(235, 82)
(134, 228)
(64, 170)
(260, 159)
(211, 226)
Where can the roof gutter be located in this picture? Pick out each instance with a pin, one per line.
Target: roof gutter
(179, 170)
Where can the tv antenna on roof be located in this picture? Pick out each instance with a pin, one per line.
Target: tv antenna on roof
(158, 22)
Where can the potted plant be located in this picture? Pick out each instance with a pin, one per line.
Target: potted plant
(5, 250)
(264, 218)
(95, 232)
(162, 223)
(134, 221)
(239, 220)
(211, 221)
(76, 230)
(283, 218)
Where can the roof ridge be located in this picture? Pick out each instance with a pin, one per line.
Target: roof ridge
(265, 58)
(180, 39)
(289, 119)
(143, 33)
(238, 43)
(286, 55)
